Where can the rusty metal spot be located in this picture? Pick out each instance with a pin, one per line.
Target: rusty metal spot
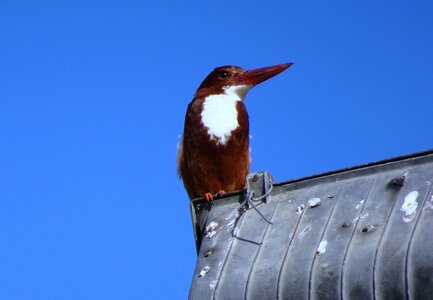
(255, 178)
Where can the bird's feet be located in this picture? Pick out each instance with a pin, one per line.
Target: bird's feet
(209, 196)
(220, 193)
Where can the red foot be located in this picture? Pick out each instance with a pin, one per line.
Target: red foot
(220, 193)
(208, 197)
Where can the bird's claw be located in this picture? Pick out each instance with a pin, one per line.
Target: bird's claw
(220, 193)
(208, 197)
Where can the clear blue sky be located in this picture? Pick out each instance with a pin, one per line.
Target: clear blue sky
(92, 102)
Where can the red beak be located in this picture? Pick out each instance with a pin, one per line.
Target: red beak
(256, 76)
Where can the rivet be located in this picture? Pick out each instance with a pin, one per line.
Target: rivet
(255, 178)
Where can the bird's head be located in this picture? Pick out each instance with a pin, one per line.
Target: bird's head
(236, 80)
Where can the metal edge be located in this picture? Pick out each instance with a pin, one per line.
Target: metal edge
(196, 201)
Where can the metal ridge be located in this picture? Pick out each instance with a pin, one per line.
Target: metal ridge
(333, 172)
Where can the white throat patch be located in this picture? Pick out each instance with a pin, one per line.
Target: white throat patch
(220, 115)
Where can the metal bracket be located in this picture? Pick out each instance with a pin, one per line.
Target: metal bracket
(259, 186)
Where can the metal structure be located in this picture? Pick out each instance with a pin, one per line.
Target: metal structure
(359, 233)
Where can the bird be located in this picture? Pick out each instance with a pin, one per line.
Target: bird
(214, 154)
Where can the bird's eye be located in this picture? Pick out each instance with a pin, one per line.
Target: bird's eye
(223, 74)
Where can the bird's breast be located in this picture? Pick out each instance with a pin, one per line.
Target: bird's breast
(220, 116)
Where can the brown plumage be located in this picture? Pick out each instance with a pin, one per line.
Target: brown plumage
(214, 152)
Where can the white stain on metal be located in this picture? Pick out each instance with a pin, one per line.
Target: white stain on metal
(322, 247)
(233, 213)
(210, 234)
(304, 231)
(204, 271)
(409, 206)
(359, 204)
(364, 216)
(210, 229)
(231, 218)
(228, 245)
(212, 226)
(213, 284)
(231, 223)
(300, 208)
(314, 202)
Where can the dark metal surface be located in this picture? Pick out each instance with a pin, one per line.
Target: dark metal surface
(359, 233)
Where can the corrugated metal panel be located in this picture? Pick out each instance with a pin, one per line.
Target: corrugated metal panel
(360, 233)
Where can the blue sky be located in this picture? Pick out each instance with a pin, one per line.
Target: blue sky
(92, 101)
